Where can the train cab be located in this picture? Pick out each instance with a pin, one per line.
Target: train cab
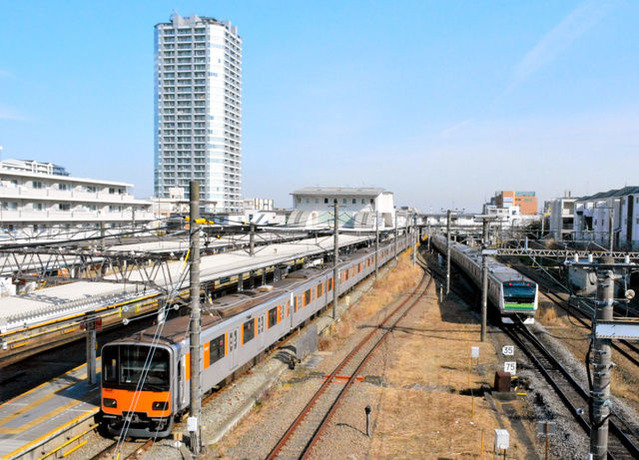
(136, 383)
(520, 297)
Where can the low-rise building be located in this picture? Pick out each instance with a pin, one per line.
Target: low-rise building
(562, 217)
(313, 207)
(526, 201)
(176, 203)
(258, 204)
(39, 198)
(609, 215)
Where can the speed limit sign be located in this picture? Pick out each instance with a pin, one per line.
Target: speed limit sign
(508, 350)
(510, 367)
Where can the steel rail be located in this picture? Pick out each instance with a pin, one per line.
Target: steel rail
(324, 423)
(281, 444)
(579, 315)
(516, 333)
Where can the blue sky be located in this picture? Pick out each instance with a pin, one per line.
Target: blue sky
(442, 102)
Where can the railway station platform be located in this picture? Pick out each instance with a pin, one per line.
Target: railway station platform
(54, 315)
(29, 421)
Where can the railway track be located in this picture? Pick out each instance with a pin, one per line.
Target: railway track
(625, 348)
(622, 444)
(128, 451)
(307, 428)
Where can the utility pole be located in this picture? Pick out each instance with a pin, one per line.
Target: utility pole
(396, 236)
(484, 280)
(196, 321)
(611, 232)
(601, 363)
(376, 243)
(252, 240)
(335, 257)
(448, 214)
(414, 238)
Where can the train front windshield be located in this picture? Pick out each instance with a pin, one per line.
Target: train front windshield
(123, 367)
(518, 293)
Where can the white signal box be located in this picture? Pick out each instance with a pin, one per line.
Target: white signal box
(502, 440)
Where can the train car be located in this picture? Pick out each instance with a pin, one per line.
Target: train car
(511, 293)
(145, 377)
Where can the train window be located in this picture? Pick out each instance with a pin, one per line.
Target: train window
(297, 303)
(320, 290)
(329, 285)
(272, 317)
(217, 349)
(307, 297)
(109, 366)
(134, 360)
(248, 331)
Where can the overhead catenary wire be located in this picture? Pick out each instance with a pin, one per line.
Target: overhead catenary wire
(149, 358)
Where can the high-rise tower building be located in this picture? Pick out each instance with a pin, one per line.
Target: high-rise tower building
(198, 110)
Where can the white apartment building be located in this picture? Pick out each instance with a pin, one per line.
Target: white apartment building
(36, 198)
(198, 110)
(562, 217)
(605, 215)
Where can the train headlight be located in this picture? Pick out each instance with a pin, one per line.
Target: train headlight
(160, 405)
(108, 402)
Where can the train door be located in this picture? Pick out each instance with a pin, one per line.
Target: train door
(291, 310)
(182, 382)
(260, 331)
(233, 338)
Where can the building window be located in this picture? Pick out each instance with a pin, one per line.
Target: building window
(326, 200)
(64, 207)
(38, 206)
(354, 200)
(37, 184)
(363, 201)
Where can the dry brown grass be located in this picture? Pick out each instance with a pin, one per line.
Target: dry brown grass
(547, 315)
(422, 413)
(385, 290)
(624, 378)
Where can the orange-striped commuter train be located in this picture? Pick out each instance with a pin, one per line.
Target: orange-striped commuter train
(145, 377)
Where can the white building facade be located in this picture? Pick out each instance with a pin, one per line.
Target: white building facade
(562, 217)
(36, 198)
(198, 110)
(357, 207)
(612, 214)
